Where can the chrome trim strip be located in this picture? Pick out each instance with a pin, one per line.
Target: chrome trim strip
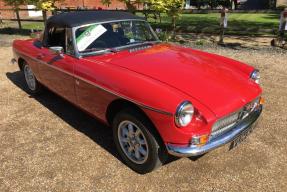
(100, 87)
(219, 141)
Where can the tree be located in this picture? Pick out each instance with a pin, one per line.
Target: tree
(212, 3)
(171, 7)
(200, 3)
(106, 2)
(225, 3)
(130, 4)
(272, 4)
(46, 5)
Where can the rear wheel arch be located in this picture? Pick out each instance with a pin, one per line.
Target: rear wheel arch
(21, 62)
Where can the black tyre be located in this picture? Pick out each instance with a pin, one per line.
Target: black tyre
(136, 144)
(33, 85)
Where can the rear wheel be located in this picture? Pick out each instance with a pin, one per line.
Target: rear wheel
(137, 146)
(34, 87)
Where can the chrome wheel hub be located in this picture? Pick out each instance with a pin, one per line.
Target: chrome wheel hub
(30, 78)
(133, 142)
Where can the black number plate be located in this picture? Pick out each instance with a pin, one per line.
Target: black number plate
(241, 138)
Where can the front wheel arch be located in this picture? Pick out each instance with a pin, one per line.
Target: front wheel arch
(119, 105)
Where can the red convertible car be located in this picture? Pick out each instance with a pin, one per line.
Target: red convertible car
(159, 98)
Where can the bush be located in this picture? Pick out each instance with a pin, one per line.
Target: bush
(163, 35)
(211, 3)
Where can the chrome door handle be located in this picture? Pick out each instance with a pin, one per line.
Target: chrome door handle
(40, 56)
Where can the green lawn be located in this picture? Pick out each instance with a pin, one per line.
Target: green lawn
(238, 23)
(33, 25)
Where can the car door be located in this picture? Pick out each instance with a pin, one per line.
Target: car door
(57, 70)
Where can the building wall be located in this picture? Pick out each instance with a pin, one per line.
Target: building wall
(90, 4)
(281, 3)
(11, 14)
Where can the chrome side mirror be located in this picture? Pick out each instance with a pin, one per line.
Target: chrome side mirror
(57, 50)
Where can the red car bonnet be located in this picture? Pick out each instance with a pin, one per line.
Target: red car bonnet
(221, 84)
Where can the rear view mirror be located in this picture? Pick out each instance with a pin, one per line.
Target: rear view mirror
(57, 50)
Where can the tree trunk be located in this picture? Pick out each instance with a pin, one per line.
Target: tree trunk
(273, 4)
(18, 18)
(198, 4)
(173, 25)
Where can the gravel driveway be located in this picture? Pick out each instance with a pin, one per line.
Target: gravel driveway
(46, 144)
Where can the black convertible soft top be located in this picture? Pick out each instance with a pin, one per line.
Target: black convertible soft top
(78, 18)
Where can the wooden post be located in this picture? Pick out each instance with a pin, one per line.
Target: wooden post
(1, 22)
(283, 26)
(223, 24)
(44, 13)
(18, 18)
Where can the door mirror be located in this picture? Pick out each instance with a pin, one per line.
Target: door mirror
(57, 50)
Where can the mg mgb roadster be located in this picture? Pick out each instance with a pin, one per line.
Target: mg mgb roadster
(160, 99)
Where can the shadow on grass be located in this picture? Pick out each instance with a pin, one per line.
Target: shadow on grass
(272, 16)
(234, 46)
(76, 118)
(15, 31)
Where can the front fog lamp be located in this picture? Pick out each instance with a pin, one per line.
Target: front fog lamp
(255, 76)
(184, 114)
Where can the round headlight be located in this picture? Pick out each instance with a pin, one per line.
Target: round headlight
(255, 76)
(184, 114)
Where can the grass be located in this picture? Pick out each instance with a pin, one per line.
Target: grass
(33, 25)
(11, 28)
(238, 23)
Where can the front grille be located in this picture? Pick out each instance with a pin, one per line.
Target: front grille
(225, 124)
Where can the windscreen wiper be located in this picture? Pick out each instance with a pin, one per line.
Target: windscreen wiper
(99, 51)
(113, 50)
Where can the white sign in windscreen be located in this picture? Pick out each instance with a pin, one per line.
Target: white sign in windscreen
(92, 33)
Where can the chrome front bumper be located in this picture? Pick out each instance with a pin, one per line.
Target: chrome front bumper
(228, 137)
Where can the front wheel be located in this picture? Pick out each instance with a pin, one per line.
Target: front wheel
(137, 146)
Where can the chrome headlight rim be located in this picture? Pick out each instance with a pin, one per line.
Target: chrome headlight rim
(255, 76)
(184, 108)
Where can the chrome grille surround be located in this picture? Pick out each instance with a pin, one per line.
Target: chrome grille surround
(226, 123)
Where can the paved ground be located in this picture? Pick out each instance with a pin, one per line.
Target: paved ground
(47, 144)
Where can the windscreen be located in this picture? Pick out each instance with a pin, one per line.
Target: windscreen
(113, 35)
